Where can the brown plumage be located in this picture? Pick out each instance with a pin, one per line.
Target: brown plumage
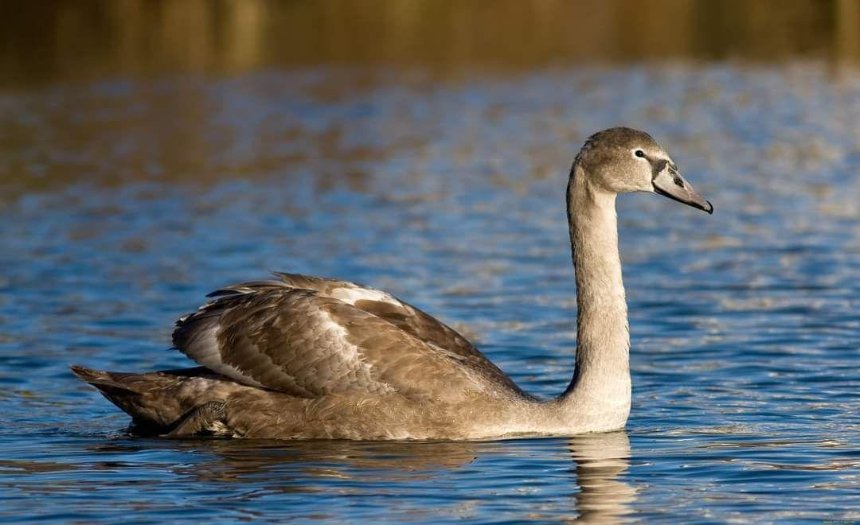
(301, 357)
(280, 353)
(264, 330)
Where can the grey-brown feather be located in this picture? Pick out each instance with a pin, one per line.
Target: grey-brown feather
(158, 400)
(411, 320)
(293, 336)
(301, 357)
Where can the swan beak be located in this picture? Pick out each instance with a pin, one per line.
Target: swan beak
(669, 183)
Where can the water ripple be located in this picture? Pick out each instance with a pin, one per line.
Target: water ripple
(745, 332)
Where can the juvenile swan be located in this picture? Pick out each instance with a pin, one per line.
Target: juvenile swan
(307, 358)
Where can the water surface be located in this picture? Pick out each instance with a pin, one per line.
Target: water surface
(124, 202)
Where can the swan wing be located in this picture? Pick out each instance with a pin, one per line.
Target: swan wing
(289, 337)
(401, 314)
(384, 305)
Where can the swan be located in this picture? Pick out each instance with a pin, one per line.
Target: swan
(299, 357)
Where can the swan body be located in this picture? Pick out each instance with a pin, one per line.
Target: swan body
(299, 357)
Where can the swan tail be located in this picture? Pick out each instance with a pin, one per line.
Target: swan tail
(156, 401)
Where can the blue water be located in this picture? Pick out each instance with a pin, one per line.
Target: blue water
(124, 202)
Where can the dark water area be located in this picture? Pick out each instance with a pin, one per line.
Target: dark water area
(134, 181)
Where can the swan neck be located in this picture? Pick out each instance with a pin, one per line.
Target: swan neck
(601, 379)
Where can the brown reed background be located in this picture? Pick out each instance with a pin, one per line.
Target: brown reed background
(46, 41)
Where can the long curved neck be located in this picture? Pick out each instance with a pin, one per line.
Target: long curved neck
(601, 381)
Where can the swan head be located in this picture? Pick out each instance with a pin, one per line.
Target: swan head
(624, 160)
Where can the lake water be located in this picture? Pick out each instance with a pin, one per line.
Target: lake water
(124, 202)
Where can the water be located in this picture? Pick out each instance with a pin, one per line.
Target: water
(125, 201)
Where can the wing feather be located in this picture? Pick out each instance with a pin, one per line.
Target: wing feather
(404, 316)
(297, 342)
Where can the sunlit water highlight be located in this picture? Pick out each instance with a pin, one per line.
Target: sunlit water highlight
(124, 202)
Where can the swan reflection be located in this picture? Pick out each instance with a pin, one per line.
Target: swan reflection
(237, 460)
(601, 460)
(590, 482)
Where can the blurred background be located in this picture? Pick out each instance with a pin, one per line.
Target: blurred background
(151, 151)
(130, 45)
(52, 41)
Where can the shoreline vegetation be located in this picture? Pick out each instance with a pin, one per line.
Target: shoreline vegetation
(46, 42)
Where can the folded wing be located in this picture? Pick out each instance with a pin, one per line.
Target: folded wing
(311, 337)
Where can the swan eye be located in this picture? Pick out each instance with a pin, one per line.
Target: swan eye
(639, 153)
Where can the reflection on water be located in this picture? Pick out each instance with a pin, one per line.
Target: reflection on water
(62, 40)
(601, 464)
(587, 474)
(372, 461)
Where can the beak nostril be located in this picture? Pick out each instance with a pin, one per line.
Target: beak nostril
(679, 182)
